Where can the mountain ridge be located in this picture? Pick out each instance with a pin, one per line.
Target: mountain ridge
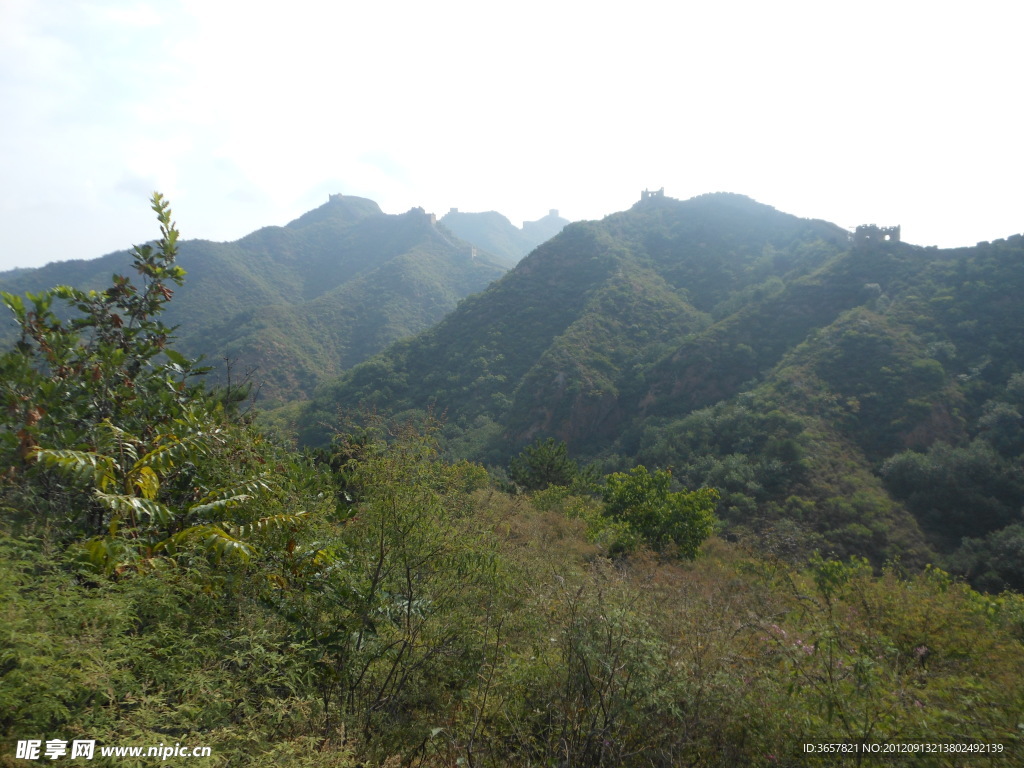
(495, 234)
(262, 301)
(795, 367)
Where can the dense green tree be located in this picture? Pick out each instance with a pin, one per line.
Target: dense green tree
(682, 519)
(992, 563)
(543, 463)
(957, 491)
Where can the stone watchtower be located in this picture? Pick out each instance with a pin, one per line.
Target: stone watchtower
(650, 194)
(869, 233)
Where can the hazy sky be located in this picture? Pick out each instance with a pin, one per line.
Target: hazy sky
(249, 113)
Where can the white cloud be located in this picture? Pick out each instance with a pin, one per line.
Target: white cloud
(246, 113)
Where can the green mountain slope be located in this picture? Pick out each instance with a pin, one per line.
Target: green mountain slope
(902, 412)
(581, 316)
(827, 388)
(299, 303)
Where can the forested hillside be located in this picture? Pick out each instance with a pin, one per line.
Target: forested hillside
(860, 398)
(171, 578)
(297, 304)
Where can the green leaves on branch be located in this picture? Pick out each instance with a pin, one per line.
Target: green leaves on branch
(103, 356)
(211, 539)
(135, 509)
(128, 486)
(92, 397)
(217, 503)
(121, 467)
(82, 466)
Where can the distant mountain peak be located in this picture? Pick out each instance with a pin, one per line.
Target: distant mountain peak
(339, 208)
(497, 235)
(552, 214)
(304, 301)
